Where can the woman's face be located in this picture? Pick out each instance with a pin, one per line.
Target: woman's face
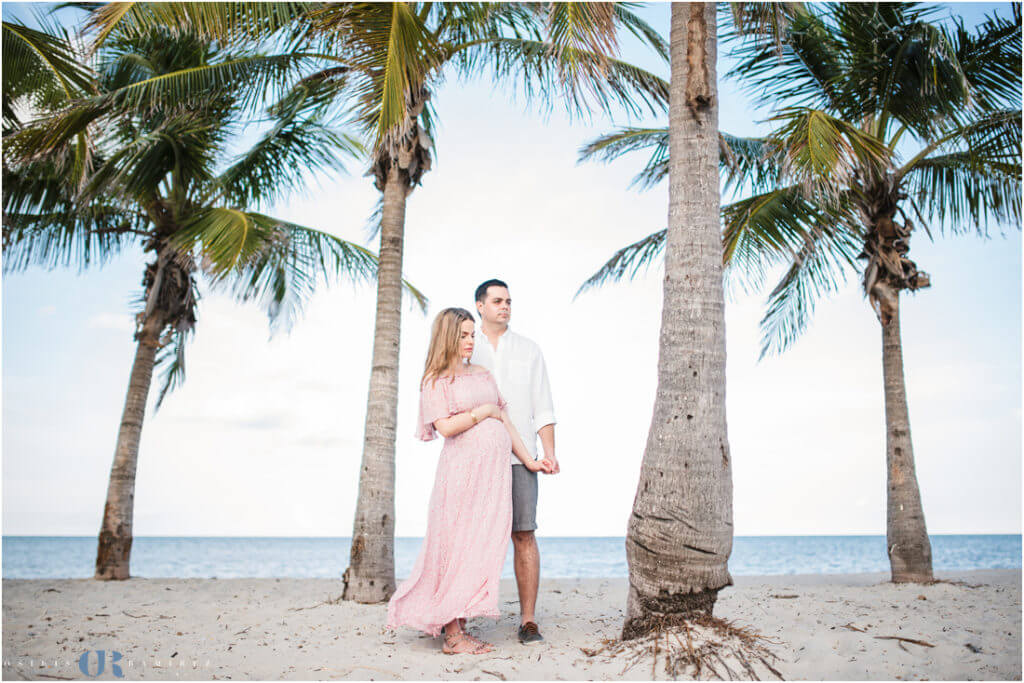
(467, 335)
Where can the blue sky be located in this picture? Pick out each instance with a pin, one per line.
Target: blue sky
(265, 437)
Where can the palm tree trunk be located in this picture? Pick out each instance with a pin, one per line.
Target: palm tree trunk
(680, 533)
(115, 541)
(910, 551)
(370, 576)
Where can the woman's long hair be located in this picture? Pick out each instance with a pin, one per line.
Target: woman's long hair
(443, 351)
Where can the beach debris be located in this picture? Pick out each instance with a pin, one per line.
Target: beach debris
(905, 640)
(955, 583)
(328, 601)
(783, 597)
(699, 645)
(973, 648)
(854, 628)
(496, 674)
(134, 616)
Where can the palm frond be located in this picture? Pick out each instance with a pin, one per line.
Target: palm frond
(274, 262)
(597, 82)
(625, 140)
(968, 190)
(922, 83)
(641, 29)
(298, 143)
(68, 236)
(171, 356)
(579, 28)
(391, 49)
(184, 89)
(264, 75)
(976, 176)
(373, 223)
(820, 268)
(224, 21)
(991, 60)
(768, 229)
(179, 150)
(823, 153)
(39, 67)
(995, 134)
(627, 262)
(807, 71)
(749, 162)
(765, 22)
(743, 160)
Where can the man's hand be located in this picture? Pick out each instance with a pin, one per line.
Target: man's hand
(538, 466)
(552, 464)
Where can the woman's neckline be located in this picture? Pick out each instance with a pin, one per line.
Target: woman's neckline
(463, 374)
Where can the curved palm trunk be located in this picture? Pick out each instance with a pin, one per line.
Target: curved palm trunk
(370, 577)
(910, 551)
(680, 533)
(115, 541)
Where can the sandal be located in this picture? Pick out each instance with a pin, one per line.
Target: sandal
(451, 641)
(481, 643)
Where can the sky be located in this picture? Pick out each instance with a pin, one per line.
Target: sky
(265, 436)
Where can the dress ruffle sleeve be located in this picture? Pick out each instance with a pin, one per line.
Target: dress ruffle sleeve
(436, 401)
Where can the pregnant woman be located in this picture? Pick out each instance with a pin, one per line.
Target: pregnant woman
(456, 573)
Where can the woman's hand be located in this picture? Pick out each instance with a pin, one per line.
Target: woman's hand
(487, 410)
(538, 466)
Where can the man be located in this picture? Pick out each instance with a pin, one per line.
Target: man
(518, 368)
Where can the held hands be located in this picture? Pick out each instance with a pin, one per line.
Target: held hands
(538, 466)
(552, 463)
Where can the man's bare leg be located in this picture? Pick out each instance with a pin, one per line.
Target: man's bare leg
(527, 567)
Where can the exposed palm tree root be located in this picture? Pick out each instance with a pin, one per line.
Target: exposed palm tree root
(956, 583)
(700, 645)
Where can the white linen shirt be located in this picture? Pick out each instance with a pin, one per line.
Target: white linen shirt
(518, 368)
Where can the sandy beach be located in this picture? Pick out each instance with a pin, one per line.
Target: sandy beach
(826, 626)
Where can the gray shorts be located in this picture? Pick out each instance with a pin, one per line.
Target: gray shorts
(524, 498)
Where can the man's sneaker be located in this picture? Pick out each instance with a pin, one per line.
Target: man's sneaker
(529, 634)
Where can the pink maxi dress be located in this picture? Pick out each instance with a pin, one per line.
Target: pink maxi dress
(469, 524)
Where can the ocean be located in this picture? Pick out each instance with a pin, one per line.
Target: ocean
(33, 557)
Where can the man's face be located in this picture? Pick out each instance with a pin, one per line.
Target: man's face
(496, 307)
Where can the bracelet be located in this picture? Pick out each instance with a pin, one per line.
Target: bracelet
(473, 415)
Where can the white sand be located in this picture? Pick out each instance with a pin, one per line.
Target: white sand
(244, 629)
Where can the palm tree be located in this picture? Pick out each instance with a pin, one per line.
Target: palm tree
(680, 531)
(881, 111)
(405, 51)
(393, 56)
(134, 156)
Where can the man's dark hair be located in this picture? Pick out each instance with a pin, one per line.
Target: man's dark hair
(481, 291)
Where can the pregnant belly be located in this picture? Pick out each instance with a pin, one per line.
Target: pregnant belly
(489, 434)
